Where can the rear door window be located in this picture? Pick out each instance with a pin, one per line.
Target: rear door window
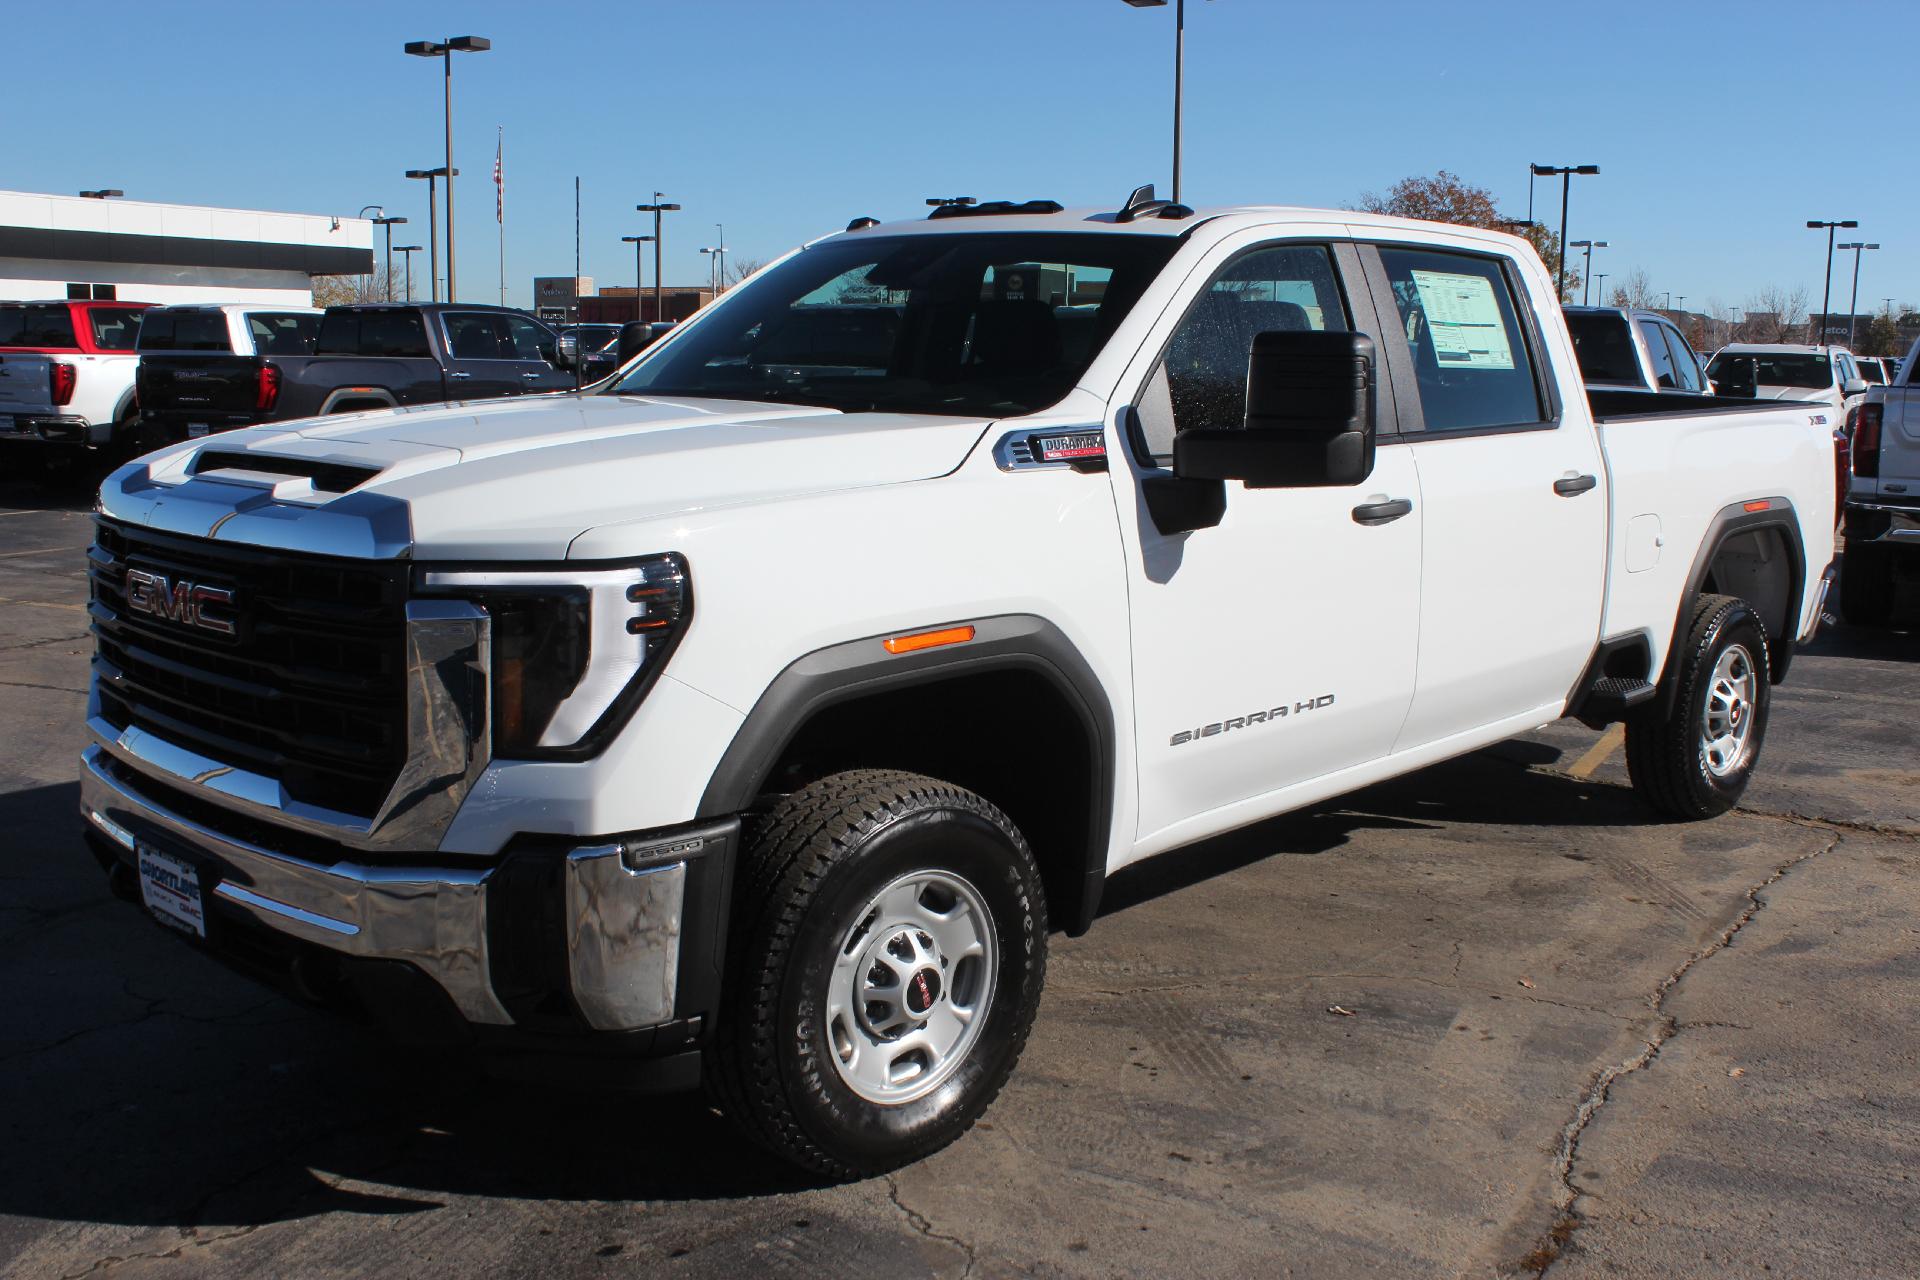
(476, 335)
(531, 341)
(118, 328)
(282, 333)
(1685, 367)
(46, 326)
(1604, 345)
(1471, 358)
(1657, 352)
(373, 333)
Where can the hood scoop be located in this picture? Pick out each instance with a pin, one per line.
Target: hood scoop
(266, 470)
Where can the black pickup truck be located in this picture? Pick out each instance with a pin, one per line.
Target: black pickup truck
(370, 356)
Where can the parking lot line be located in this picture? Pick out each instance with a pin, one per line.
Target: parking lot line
(43, 551)
(1597, 754)
(44, 604)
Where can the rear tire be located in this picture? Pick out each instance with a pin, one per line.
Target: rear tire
(1866, 584)
(1695, 761)
(885, 962)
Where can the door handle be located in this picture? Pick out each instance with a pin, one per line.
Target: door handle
(1573, 486)
(457, 374)
(1372, 513)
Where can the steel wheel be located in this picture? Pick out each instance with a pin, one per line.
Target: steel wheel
(910, 985)
(1726, 721)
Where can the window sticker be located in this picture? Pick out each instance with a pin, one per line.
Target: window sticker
(1464, 318)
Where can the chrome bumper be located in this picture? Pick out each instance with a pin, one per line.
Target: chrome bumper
(627, 905)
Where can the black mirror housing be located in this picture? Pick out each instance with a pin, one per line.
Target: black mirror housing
(1310, 417)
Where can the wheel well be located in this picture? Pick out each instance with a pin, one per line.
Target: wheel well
(1009, 735)
(1757, 566)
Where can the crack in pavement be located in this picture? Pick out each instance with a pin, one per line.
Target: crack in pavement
(193, 1241)
(40, 644)
(28, 684)
(1566, 1195)
(919, 1222)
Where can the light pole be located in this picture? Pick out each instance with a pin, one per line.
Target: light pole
(1586, 272)
(1179, 72)
(636, 242)
(1602, 288)
(656, 209)
(433, 230)
(1669, 304)
(1683, 302)
(1853, 303)
(104, 193)
(445, 51)
(713, 270)
(720, 281)
(1565, 174)
(388, 223)
(406, 252)
(1826, 298)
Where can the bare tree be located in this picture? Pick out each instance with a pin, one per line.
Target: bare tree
(340, 291)
(739, 269)
(1776, 314)
(1634, 290)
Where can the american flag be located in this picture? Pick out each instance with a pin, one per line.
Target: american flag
(499, 185)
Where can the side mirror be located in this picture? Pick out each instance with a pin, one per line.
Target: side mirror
(1309, 421)
(635, 335)
(566, 350)
(1854, 387)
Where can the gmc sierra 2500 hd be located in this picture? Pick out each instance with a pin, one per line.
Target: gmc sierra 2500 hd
(757, 714)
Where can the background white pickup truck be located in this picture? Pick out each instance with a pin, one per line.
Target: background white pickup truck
(756, 715)
(66, 373)
(1882, 524)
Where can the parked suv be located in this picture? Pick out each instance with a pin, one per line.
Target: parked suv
(757, 715)
(66, 374)
(1623, 347)
(210, 368)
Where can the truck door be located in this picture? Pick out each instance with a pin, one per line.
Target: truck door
(1513, 550)
(536, 359)
(481, 357)
(1278, 646)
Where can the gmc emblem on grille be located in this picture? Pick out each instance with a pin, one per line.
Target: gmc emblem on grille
(183, 602)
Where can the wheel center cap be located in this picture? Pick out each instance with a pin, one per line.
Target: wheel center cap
(923, 989)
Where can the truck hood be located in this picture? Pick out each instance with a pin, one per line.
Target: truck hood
(520, 478)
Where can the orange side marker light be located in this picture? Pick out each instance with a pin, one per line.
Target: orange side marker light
(927, 639)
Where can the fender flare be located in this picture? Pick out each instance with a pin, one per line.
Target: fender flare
(357, 393)
(854, 669)
(1735, 518)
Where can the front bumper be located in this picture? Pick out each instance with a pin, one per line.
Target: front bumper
(616, 941)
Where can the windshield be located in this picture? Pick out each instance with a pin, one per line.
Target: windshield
(1604, 346)
(1777, 368)
(987, 324)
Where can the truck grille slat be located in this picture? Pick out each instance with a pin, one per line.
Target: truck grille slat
(309, 689)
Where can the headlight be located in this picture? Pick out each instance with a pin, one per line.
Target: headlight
(574, 650)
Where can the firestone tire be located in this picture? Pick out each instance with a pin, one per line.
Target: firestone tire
(1696, 761)
(1866, 585)
(873, 910)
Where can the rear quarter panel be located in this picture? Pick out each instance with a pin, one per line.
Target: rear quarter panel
(1671, 477)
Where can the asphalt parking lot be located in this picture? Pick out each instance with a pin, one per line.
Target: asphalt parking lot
(1487, 1019)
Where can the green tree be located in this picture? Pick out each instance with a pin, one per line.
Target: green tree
(1447, 197)
(1882, 337)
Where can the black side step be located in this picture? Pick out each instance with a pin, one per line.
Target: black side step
(1610, 698)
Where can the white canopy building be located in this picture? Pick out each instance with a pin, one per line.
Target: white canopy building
(137, 251)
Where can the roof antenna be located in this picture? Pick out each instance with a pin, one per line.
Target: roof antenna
(1141, 204)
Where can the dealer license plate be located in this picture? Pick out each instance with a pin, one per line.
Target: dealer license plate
(196, 430)
(170, 888)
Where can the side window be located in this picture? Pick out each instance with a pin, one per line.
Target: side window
(1470, 353)
(474, 335)
(1663, 373)
(1202, 379)
(530, 341)
(1685, 367)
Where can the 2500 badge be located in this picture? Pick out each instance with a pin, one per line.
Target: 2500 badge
(1250, 719)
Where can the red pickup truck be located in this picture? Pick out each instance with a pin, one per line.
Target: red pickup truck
(66, 374)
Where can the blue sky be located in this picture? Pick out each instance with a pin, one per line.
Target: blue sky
(1720, 128)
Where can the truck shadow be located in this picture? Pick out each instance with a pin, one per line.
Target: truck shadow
(1497, 786)
(144, 1084)
(70, 488)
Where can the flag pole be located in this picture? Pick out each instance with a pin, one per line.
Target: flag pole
(500, 208)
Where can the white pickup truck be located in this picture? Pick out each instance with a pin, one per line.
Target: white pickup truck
(1882, 524)
(66, 377)
(757, 715)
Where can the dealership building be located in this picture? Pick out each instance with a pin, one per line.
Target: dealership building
(136, 251)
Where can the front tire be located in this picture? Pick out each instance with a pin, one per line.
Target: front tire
(886, 958)
(1696, 761)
